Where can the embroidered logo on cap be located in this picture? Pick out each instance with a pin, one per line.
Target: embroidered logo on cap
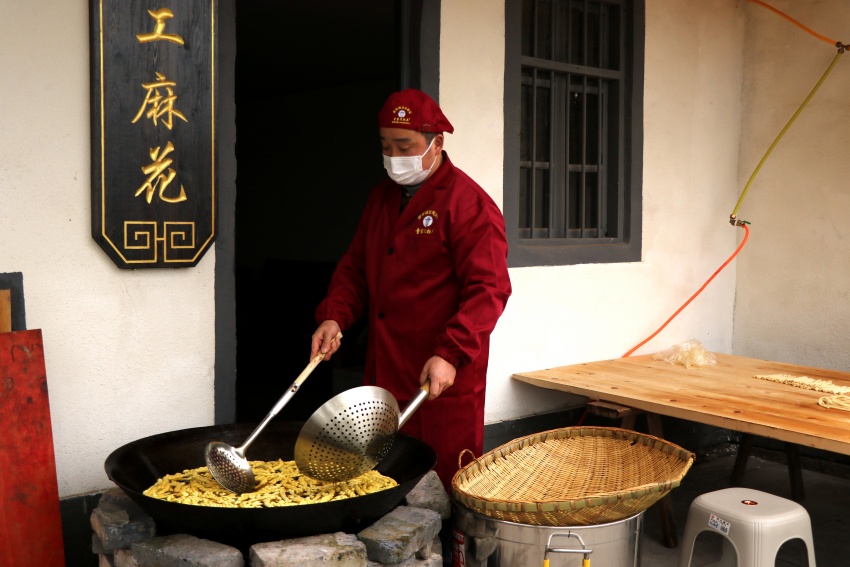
(401, 115)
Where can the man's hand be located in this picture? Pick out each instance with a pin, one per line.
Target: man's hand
(440, 372)
(326, 339)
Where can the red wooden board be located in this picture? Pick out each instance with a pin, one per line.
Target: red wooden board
(30, 523)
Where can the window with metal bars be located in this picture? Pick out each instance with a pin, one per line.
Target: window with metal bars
(573, 131)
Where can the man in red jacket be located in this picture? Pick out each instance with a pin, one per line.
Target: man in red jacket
(428, 265)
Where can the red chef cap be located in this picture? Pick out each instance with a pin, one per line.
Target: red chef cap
(413, 110)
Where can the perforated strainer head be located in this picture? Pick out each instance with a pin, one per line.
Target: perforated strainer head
(351, 433)
(228, 464)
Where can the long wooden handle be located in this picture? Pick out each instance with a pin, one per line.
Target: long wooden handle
(313, 364)
(285, 398)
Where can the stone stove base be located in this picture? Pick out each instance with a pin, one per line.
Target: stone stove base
(409, 536)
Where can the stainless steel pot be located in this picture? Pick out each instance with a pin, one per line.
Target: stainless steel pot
(481, 541)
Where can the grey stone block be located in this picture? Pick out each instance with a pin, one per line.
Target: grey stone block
(400, 534)
(436, 560)
(183, 550)
(430, 493)
(118, 526)
(338, 550)
(432, 560)
(97, 545)
(118, 496)
(484, 546)
(437, 546)
(433, 547)
(124, 558)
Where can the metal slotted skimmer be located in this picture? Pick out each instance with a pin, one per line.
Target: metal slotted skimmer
(352, 432)
(229, 465)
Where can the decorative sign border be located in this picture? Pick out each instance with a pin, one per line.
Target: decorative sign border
(153, 76)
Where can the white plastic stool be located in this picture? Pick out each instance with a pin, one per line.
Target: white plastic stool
(753, 525)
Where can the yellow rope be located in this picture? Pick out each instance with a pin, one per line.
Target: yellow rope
(841, 49)
(782, 133)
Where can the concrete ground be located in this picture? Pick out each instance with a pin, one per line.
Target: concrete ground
(827, 500)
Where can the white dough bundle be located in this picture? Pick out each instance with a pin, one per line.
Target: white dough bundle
(838, 400)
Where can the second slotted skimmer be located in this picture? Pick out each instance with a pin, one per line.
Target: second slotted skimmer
(352, 432)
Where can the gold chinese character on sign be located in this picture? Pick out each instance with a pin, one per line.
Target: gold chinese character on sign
(160, 175)
(159, 105)
(160, 16)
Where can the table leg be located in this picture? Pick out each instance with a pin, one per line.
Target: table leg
(741, 459)
(795, 472)
(795, 469)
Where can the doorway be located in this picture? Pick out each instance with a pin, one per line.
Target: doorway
(310, 77)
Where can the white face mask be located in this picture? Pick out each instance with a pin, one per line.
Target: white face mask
(407, 170)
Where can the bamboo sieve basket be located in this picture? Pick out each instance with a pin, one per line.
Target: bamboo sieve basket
(571, 476)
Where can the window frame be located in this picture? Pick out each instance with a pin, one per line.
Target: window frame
(536, 251)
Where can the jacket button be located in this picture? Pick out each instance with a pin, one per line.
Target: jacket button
(390, 251)
(374, 380)
(380, 315)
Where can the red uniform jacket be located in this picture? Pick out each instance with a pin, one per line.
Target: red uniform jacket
(434, 281)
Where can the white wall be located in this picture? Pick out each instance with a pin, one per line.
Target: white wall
(128, 353)
(793, 288)
(572, 314)
(131, 353)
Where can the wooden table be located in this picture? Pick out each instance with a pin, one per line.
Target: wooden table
(726, 395)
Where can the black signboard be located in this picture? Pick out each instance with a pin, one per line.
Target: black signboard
(153, 130)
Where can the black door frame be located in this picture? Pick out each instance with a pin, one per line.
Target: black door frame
(419, 46)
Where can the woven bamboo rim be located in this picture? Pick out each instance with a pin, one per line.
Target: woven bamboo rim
(571, 476)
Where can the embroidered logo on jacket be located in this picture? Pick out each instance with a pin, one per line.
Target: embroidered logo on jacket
(428, 218)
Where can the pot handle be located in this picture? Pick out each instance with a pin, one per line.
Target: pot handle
(585, 562)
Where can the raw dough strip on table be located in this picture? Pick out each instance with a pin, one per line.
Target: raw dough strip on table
(838, 399)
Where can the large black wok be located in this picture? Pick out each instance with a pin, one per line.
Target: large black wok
(137, 465)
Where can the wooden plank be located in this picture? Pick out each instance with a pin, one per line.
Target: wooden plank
(30, 522)
(610, 410)
(5, 310)
(726, 395)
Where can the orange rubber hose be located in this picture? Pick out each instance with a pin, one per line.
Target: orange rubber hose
(795, 22)
(841, 49)
(735, 253)
(734, 213)
(586, 411)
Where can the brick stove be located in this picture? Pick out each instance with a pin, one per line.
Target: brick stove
(408, 536)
